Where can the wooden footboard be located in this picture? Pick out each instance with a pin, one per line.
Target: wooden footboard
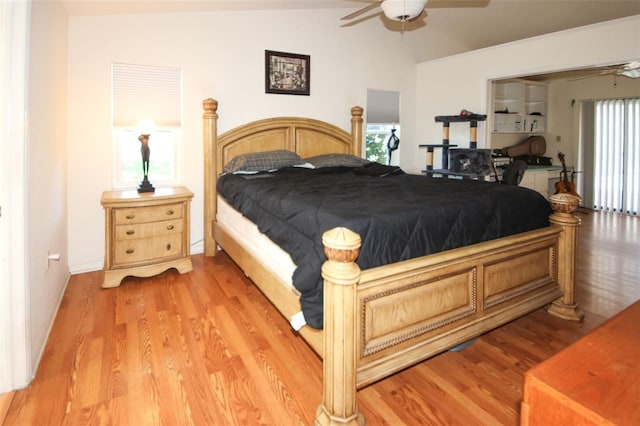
(384, 319)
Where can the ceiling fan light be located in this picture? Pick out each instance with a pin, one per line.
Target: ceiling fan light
(402, 10)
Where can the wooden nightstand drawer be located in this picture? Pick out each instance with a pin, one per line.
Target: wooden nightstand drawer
(146, 234)
(148, 214)
(147, 230)
(147, 250)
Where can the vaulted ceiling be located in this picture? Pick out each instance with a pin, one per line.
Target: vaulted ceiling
(471, 24)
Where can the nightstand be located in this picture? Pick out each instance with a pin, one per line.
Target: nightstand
(146, 233)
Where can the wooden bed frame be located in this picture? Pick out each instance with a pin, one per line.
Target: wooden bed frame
(381, 320)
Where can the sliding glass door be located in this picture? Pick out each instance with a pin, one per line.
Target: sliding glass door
(615, 183)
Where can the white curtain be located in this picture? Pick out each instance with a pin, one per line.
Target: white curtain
(617, 156)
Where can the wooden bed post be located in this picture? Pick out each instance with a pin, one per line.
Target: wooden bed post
(210, 133)
(356, 130)
(341, 275)
(564, 206)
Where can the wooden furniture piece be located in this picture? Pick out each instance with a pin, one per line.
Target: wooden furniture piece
(145, 233)
(595, 381)
(381, 320)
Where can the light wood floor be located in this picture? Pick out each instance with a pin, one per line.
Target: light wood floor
(206, 348)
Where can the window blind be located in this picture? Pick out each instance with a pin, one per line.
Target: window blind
(146, 92)
(383, 107)
(617, 152)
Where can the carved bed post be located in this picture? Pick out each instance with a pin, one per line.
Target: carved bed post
(564, 206)
(341, 275)
(356, 130)
(210, 133)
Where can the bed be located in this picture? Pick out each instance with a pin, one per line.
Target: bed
(380, 320)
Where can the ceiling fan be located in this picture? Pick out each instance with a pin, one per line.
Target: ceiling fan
(629, 69)
(396, 10)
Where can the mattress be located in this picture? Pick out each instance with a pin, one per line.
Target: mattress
(264, 250)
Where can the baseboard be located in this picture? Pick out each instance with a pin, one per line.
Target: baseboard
(197, 247)
(86, 267)
(51, 322)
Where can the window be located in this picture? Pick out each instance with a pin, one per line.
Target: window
(383, 116)
(377, 140)
(146, 92)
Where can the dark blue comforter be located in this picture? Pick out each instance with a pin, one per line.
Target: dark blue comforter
(399, 216)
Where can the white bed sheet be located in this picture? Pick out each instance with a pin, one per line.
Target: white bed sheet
(246, 233)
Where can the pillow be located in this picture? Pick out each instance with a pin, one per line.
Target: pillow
(262, 161)
(336, 160)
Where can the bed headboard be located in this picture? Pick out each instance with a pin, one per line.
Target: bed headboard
(304, 136)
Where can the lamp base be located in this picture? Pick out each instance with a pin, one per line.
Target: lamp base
(145, 186)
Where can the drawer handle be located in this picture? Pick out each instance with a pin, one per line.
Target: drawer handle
(130, 232)
(168, 247)
(130, 216)
(169, 212)
(170, 227)
(130, 251)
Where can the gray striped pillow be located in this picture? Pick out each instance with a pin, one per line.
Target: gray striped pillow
(262, 161)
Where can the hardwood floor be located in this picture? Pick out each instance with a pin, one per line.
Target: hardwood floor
(206, 348)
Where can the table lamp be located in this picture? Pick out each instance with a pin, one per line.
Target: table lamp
(144, 129)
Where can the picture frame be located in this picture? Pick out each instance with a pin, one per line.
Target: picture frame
(287, 73)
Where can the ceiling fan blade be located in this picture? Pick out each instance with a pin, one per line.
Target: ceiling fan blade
(631, 69)
(363, 10)
(592, 75)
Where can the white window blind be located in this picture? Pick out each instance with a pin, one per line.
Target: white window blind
(383, 107)
(146, 92)
(616, 183)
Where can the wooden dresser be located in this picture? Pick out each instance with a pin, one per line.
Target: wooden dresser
(146, 234)
(595, 381)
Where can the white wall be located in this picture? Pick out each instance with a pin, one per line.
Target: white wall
(445, 86)
(222, 56)
(34, 71)
(47, 200)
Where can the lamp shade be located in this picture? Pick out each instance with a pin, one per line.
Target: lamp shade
(402, 10)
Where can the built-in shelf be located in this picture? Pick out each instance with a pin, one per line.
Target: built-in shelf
(519, 106)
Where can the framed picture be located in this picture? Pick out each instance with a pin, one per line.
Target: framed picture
(287, 73)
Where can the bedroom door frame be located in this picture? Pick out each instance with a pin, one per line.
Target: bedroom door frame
(15, 359)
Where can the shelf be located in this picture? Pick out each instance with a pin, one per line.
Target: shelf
(520, 98)
(460, 118)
